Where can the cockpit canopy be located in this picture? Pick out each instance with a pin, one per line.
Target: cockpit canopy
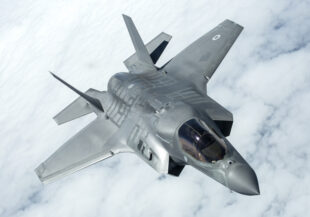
(200, 143)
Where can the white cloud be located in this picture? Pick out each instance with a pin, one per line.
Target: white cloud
(264, 81)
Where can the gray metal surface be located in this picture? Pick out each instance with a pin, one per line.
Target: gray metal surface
(163, 115)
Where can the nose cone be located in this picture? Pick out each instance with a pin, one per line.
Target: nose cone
(242, 179)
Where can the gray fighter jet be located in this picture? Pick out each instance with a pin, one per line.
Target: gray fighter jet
(162, 114)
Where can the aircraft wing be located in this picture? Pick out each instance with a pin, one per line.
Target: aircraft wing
(202, 57)
(96, 142)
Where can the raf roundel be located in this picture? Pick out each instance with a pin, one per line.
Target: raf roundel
(216, 37)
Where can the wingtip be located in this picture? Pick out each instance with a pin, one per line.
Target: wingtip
(229, 22)
(39, 171)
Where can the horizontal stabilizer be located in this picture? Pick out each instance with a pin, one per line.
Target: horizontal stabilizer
(93, 101)
(155, 47)
(94, 143)
(76, 109)
(145, 62)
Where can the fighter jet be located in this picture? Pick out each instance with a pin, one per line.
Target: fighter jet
(162, 114)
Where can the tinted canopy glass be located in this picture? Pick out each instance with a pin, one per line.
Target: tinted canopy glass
(199, 142)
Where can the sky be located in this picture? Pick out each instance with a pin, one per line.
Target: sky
(264, 81)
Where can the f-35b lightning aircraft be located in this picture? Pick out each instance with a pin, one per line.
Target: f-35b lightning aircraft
(162, 114)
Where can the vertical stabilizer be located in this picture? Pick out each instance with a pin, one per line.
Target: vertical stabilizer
(93, 101)
(155, 48)
(140, 48)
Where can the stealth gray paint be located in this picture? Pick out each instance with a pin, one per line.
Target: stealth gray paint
(143, 110)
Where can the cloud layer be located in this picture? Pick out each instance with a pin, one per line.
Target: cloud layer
(264, 81)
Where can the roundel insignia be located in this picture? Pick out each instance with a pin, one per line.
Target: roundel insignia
(216, 37)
